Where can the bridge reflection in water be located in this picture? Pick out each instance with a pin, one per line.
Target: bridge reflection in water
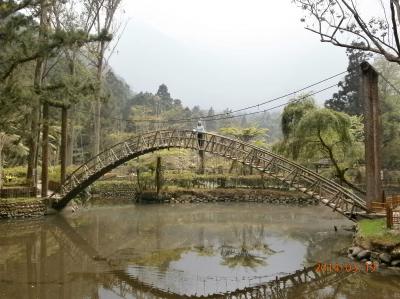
(40, 261)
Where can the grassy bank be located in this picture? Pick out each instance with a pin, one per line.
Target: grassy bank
(374, 234)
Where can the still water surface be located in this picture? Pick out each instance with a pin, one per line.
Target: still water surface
(155, 251)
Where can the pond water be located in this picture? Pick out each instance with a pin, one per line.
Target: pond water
(172, 251)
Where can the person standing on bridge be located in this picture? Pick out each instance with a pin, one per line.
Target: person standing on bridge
(200, 133)
(200, 139)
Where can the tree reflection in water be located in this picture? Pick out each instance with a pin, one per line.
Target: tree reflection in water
(50, 258)
(241, 258)
(252, 251)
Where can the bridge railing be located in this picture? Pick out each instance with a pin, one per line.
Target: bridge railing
(265, 160)
(287, 171)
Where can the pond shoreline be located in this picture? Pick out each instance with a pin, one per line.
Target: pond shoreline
(22, 208)
(375, 244)
(179, 196)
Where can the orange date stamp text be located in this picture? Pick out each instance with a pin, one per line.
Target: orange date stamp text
(368, 267)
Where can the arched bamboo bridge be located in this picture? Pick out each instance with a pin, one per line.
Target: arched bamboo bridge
(328, 192)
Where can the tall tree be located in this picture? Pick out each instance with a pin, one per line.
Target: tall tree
(344, 23)
(162, 92)
(348, 99)
(390, 110)
(37, 84)
(104, 24)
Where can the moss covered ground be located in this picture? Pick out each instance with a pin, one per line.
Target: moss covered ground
(375, 232)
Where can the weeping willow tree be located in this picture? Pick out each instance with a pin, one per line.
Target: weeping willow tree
(291, 116)
(331, 135)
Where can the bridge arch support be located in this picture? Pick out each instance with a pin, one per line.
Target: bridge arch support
(328, 192)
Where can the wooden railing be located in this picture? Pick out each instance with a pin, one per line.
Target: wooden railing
(392, 201)
(388, 207)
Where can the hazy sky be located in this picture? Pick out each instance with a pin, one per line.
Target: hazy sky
(221, 53)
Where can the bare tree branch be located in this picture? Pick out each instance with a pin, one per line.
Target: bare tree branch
(395, 33)
(340, 23)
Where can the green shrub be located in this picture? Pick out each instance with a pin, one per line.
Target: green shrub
(55, 172)
(14, 176)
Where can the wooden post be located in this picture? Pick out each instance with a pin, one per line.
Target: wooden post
(389, 217)
(63, 150)
(158, 176)
(200, 140)
(45, 151)
(369, 93)
(138, 180)
(201, 155)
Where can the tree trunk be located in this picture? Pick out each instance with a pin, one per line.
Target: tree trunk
(63, 150)
(339, 172)
(158, 176)
(97, 102)
(1, 168)
(96, 128)
(71, 134)
(45, 150)
(31, 175)
(2, 141)
(69, 160)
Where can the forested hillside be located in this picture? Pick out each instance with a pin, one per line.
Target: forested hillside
(54, 58)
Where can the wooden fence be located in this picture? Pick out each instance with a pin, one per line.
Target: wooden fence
(392, 202)
(388, 207)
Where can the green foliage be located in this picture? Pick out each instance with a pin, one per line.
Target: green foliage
(14, 176)
(106, 184)
(189, 180)
(291, 116)
(293, 113)
(312, 134)
(330, 126)
(331, 135)
(245, 134)
(348, 98)
(55, 172)
(390, 107)
(147, 110)
(17, 171)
